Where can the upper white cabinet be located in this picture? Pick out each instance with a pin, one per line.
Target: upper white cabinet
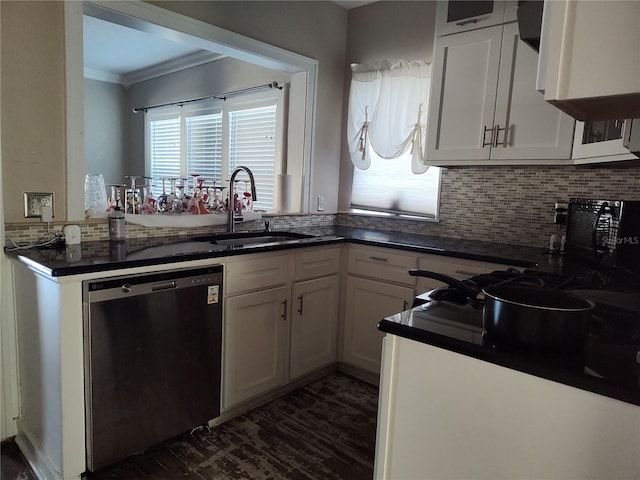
(589, 62)
(600, 141)
(455, 16)
(485, 108)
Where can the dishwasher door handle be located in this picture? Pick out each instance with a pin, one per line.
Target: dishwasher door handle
(164, 286)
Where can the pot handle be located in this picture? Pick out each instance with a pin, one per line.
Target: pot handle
(469, 291)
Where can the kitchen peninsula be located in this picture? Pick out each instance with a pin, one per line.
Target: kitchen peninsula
(50, 304)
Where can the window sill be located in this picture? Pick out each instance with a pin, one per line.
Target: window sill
(390, 215)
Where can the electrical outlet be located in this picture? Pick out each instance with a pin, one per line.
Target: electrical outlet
(560, 215)
(33, 201)
(321, 203)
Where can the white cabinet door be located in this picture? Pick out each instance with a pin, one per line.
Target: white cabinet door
(256, 343)
(447, 415)
(463, 96)
(600, 151)
(589, 62)
(368, 302)
(314, 323)
(527, 127)
(484, 107)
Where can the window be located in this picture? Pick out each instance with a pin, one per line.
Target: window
(212, 141)
(389, 187)
(386, 130)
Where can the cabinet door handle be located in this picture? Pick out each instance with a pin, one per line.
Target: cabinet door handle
(284, 311)
(379, 259)
(462, 23)
(300, 304)
(467, 273)
(504, 141)
(484, 136)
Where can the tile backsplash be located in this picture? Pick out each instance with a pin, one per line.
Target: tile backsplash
(98, 229)
(512, 205)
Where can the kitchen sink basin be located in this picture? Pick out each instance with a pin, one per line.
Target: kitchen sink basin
(255, 238)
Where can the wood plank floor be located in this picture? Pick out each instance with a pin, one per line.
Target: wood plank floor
(325, 430)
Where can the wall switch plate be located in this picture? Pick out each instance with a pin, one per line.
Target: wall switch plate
(33, 201)
(321, 203)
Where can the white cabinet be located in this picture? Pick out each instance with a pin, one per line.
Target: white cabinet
(457, 16)
(315, 297)
(586, 151)
(280, 317)
(314, 324)
(484, 107)
(256, 342)
(446, 415)
(378, 285)
(589, 62)
(368, 302)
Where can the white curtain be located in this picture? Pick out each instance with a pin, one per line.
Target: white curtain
(388, 110)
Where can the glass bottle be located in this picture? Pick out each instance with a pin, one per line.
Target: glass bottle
(116, 224)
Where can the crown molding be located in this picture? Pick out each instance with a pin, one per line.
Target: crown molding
(101, 75)
(177, 64)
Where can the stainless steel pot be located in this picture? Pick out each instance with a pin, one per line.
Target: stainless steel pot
(536, 317)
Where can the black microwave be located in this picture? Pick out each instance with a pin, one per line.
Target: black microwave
(605, 231)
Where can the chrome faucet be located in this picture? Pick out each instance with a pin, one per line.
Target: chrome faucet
(231, 226)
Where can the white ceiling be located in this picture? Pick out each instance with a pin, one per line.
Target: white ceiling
(349, 4)
(120, 54)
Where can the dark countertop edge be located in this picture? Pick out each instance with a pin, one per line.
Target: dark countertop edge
(399, 241)
(120, 265)
(445, 253)
(512, 362)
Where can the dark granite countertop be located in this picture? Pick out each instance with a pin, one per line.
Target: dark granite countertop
(99, 256)
(593, 370)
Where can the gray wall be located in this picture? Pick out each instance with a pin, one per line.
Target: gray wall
(316, 29)
(105, 114)
(379, 31)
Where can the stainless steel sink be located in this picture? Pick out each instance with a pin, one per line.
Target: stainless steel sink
(255, 238)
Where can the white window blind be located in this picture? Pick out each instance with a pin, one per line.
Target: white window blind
(389, 186)
(252, 143)
(204, 145)
(386, 128)
(212, 141)
(164, 150)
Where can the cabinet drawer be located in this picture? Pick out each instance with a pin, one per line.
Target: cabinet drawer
(454, 267)
(256, 273)
(382, 264)
(315, 263)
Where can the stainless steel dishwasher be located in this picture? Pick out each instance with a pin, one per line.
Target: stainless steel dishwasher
(153, 347)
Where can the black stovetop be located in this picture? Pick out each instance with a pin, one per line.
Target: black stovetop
(609, 364)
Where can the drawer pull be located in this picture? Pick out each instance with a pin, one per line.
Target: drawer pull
(462, 23)
(496, 143)
(466, 273)
(378, 259)
(484, 136)
(300, 304)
